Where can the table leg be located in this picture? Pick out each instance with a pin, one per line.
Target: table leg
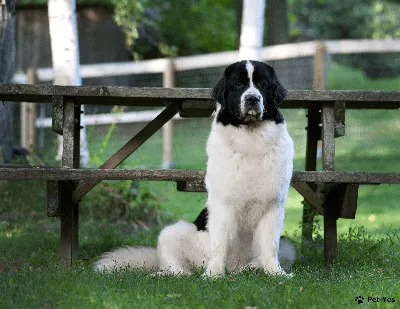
(70, 159)
(313, 135)
(328, 153)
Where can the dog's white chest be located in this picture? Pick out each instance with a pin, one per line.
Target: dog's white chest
(248, 167)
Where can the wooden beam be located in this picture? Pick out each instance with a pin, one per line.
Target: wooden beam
(168, 128)
(191, 186)
(313, 136)
(310, 196)
(129, 96)
(57, 114)
(328, 164)
(126, 150)
(340, 118)
(57, 173)
(70, 160)
(341, 198)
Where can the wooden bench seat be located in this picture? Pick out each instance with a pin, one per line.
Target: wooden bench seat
(59, 173)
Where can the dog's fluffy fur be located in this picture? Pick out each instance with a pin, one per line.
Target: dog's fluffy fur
(250, 161)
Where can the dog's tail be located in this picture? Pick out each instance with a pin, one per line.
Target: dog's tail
(128, 257)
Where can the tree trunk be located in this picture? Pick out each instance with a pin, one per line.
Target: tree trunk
(238, 13)
(251, 36)
(277, 22)
(65, 54)
(7, 70)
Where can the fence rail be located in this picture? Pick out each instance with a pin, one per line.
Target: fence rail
(276, 52)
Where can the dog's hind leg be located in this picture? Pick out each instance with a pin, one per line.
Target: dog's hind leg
(177, 247)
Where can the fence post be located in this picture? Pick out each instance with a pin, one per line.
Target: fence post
(28, 117)
(168, 82)
(319, 78)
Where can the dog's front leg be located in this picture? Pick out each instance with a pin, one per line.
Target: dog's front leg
(267, 236)
(223, 230)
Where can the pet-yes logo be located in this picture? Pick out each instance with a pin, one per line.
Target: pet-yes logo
(370, 299)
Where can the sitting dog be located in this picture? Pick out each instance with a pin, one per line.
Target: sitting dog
(249, 168)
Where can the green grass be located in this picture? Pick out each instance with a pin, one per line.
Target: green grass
(369, 246)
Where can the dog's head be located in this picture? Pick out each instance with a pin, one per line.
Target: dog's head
(248, 92)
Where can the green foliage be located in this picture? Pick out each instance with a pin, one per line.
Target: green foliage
(171, 28)
(125, 202)
(198, 27)
(331, 19)
(356, 19)
(385, 22)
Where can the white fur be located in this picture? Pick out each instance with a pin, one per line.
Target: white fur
(252, 90)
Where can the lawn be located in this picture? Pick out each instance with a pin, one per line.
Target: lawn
(369, 246)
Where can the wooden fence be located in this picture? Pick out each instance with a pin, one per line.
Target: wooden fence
(316, 49)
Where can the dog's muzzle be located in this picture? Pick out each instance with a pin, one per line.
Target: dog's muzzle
(253, 108)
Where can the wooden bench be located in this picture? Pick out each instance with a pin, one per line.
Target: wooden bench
(330, 193)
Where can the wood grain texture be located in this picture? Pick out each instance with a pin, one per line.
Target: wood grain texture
(40, 173)
(130, 96)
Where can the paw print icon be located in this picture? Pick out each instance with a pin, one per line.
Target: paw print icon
(359, 299)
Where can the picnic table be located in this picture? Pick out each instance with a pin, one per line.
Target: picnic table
(331, 193)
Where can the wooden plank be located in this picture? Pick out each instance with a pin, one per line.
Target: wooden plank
(70, 159)
(313, 135)
(168, 128)
(341, 198)
(53, 192)
(340, 117)
(328, 137)
(66, 219)
(363, 46)
(57, 114)
(350, 200)
(328, 164)
(310, 196)
(126, 150)
(157, 96)
(56, 173)
(191, 186)
(71, 136)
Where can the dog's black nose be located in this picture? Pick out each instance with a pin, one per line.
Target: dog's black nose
(252, 100)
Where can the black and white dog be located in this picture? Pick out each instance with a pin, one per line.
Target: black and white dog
(250, 162)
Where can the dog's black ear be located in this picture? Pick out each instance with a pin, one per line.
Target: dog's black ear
(218, 90)
(279, 92)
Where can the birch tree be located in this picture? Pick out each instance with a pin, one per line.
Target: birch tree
(65, 56)
(252, 30)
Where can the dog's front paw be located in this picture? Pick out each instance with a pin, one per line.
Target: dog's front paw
(213, 273)
(278, 272)
(273, 268)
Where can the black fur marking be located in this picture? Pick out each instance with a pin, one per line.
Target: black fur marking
(235, 81)
(201, 220)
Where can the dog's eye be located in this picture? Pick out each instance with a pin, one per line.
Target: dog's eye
(262, 85)
(239, 85)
